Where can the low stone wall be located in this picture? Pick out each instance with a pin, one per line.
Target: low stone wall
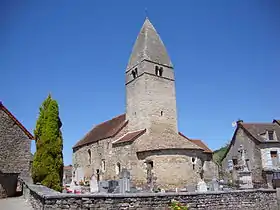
(43, 198)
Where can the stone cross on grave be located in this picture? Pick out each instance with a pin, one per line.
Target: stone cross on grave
(242, 159)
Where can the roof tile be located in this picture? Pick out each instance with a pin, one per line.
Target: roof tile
(256, 129)
(104, 130)
(131, 136)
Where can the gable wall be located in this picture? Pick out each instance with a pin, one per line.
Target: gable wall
(253, 153)
(15, 148)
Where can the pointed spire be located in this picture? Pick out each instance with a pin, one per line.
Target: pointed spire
(148, 46)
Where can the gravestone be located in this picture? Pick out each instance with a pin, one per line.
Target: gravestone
(93, 184)
(214, 185)
(79, 175)
(191, 188)
(124, 182)
(103, 186)
(112, 186)
(201, 186)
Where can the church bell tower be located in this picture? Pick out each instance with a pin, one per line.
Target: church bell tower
(150, 85)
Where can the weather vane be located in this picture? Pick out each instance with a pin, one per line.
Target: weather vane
(146, 12)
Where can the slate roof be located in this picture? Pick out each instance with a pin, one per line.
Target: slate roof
(256, 129)
(27, 133)
(130, 136)
(148, 46)
(103, 131)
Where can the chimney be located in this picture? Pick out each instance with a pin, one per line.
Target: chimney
(239, 121)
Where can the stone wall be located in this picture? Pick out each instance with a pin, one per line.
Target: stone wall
(15, 148)
(252, 151)
(43, 198)
(177, 162)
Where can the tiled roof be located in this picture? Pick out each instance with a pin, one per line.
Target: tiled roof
(68, 167)
(104, 130)
(256, 129)
(2, 107)
(131, 136)
(199, 143)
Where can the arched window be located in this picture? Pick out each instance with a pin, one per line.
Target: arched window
(89, 156)
(160, 71)
(193, 162)
(103, 165)
(156, 70)
(134, 73)
(118, 168)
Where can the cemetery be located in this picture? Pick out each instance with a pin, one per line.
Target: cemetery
(121, 194)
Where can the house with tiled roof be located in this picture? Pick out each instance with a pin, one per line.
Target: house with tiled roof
(15, 145)
(145, 140)
(261, 142)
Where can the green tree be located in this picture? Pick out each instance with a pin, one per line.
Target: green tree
(47, 165)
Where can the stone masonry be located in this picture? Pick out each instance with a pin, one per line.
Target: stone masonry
(15, 145)
(253, 137)
(145, 140)
(43, 198)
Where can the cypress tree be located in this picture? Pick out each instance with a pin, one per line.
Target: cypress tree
(47, 165)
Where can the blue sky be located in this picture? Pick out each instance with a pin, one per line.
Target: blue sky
(226, 56)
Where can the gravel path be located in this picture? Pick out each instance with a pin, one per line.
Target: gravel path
(17, 203)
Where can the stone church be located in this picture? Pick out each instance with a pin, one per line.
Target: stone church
(145, 140)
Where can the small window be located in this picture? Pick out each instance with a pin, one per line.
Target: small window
(157, 70)
(234, 161)
(160, 71)
(98, 175)
(150, 164)
(118, 168)
(273, 154)
(103, 165)
(89, 156)
(274, 158)
(193, 163)
(161, 113)
(270, 135)
(133, 74)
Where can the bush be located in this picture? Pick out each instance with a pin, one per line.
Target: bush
(175, 205)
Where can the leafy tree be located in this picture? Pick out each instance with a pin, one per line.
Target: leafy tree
(47, 165)
(219, 154)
